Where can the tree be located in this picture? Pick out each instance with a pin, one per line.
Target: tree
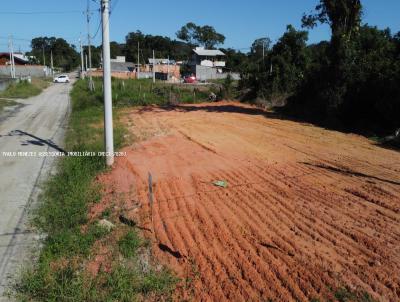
(260, 45)
(196, 35)
(116, 49)
(283, 68)
(64, 54)
(163, 46)
(95, 52)
(188, 33)
(344, 18)
(234, 59)
(374, 87)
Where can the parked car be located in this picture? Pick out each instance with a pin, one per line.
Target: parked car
(190, 79)
(61, 79)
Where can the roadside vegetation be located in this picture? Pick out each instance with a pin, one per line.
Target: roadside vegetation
(24, 89)
(145, 92)
(61, 272)
(5, 103)
(350, 83)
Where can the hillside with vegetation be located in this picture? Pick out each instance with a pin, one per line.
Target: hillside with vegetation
(350, 82)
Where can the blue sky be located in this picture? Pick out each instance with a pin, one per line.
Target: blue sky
(240, 21)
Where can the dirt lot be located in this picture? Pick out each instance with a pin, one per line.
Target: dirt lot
(306, 212)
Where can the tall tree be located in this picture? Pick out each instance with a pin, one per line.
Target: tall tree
(260, 46)
(205, 35)
(344, 18)
(64, 54)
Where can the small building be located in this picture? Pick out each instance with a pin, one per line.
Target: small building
(24, 66)
(120, 69)
(208, 57)
(19, 58)
(207, 64)
(164, 68)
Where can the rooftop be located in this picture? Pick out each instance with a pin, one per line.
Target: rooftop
(162, 61)
(122, 66)
(201, 51)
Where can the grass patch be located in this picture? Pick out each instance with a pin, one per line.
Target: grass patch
(59, 273)
(129, 244)
(144, 92)
(5, 103)
(24, 89)
(346, 295)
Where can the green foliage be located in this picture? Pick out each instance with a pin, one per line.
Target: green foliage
(345, 295)
(24, 89)
(351, 82)
(260, 46)
(65, 55)
(205, 35)
(283, 68)
(5, 103)
(129, 244)
(235, 60)
(95, 52)
(164, 47)
(62, 215)
(167, 47)
(121, 284)
(140, 93)
(228, 87)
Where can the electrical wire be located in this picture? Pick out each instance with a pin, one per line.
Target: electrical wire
(14, 38)
(40, 12)
(99, 25)
(97, 30)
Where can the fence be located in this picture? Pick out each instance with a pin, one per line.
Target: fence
(204, 73)
(25, 70)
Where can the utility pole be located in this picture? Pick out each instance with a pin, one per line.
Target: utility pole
(44, 57)
(51, 62)
(91, 84)
(11, 64)
(263, 52)
(44, 63)
(154, 67)
(12, 61)
(138, 61)
(108, 121)
(82, 64)
(168, 69)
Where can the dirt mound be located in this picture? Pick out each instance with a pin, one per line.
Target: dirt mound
(306, 211)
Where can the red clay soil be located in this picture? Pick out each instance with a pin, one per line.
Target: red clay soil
(306, 210)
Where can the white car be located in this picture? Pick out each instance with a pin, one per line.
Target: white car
(61, 79)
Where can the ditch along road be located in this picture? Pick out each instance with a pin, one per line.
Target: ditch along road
(306, 211)
(36, 125)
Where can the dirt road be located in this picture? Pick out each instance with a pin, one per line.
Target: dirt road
(34, 125)
(306, 211)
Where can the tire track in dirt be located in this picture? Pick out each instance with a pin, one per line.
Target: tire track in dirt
(215, 259)
(257, 240)
(256, 198)
(306, 210)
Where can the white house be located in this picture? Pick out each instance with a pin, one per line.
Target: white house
(207, 64)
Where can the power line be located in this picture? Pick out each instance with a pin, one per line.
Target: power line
(97, 30)
(18, 39)
(41, 12)
(99, 26)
